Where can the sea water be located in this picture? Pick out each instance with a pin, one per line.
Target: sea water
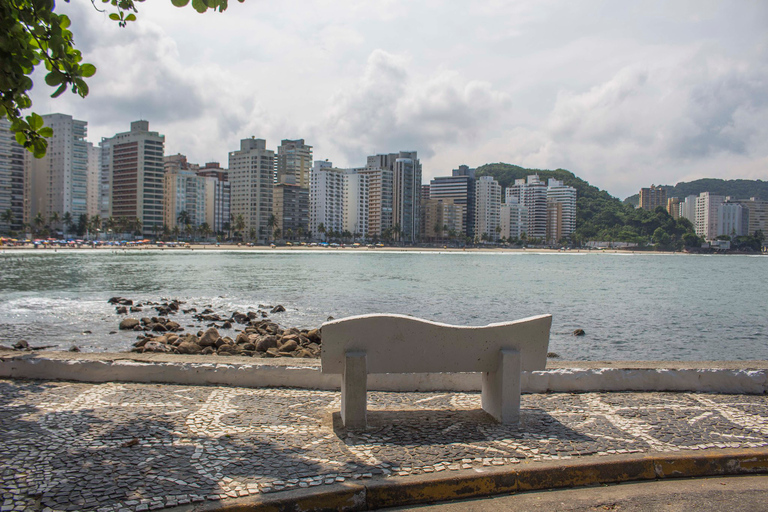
(632, 306)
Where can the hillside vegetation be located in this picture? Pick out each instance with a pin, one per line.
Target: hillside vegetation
(740, 189)
(602, 217)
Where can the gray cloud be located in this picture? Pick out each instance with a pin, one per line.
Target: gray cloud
(387, 110)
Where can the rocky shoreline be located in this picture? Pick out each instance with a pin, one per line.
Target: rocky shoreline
(257, 335)
(254, 333)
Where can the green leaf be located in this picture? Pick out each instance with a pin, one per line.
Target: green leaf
(88, 70)
(64, 21)
(199, 6)
(59, 91)
(53, 78)
(39, 146)
(35, 121)
(179, 3)
(21, 138)
(45, 131)
(114, 16)
(130, 17)
(82, 88)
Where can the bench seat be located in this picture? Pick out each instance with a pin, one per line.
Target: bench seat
(360, 345)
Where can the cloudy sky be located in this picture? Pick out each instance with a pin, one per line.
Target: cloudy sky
(624, 94)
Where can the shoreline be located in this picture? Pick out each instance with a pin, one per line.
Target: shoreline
(361, 249)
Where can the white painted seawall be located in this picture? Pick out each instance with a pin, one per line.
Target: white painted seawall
(732, 377)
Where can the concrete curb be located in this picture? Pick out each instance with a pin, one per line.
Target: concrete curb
(306, 374)
(394, 491)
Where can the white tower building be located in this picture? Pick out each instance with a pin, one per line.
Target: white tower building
(487, 208)
(251, 171)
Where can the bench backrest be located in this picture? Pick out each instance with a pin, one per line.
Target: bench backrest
(404, 344)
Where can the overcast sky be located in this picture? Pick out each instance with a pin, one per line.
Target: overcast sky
(623, 94)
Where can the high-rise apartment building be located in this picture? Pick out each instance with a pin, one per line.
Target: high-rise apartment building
(94, 185)
(394, 194)
(554, 221)
(443, 219)
(513, 219)
(339, 200)
(758, 215)
(290, 206)
(565, 214)
(406, 211)
(706, 214)
(487, 209)
(460, 187)
(688, 208)
(355, 206)
(652, 197)
(185, 191)
(326, 198)
(732, 219)
(218, 206)
(251, 172)
(294, 163)
(136, 169)
(532, 194)
(105, 179)
(380, 198)
(58, 182)
(673, 207)
(11, 179)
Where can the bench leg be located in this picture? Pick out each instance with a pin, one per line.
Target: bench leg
(354, 388)
(501, 388)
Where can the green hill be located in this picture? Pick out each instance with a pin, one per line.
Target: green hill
(741, 189)
(600, 216)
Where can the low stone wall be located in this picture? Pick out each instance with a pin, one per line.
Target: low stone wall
(749, 377)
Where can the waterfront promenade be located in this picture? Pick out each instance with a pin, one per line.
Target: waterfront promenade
(129, 446)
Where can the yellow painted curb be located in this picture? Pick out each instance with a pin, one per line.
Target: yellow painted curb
(725, 462)
(480, 482)
(394, 492)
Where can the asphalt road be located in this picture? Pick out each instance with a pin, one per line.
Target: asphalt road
(734, 494)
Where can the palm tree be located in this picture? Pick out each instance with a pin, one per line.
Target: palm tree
(39, 222)
(321, 229)
(204, 229)
(176, 232)
(227, 228)
(396, 232)
(54, 219)
(189, 229)
(252, 234)
(8, 218)
(111, 224)
(240, 225)
(288, 233)
(272, 222)
(83, 223)
(96, 224)
(68, 221)
(137, 225)
(183, 218)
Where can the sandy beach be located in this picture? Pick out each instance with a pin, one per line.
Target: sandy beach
(307, 248)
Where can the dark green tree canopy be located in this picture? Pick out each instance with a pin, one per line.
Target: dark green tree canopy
(31, 33)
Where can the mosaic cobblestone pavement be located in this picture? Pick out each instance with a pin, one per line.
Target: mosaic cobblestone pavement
(75, 446)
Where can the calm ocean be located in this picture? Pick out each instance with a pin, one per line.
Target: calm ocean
(632, 306)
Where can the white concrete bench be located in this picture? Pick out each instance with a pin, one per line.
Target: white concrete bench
(359, 345)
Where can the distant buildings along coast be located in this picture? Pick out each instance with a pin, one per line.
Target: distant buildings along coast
(126, 186)
(712, 215)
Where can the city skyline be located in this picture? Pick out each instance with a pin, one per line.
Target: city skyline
(674, 95)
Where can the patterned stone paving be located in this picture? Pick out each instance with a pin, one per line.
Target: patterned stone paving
(75, 446)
